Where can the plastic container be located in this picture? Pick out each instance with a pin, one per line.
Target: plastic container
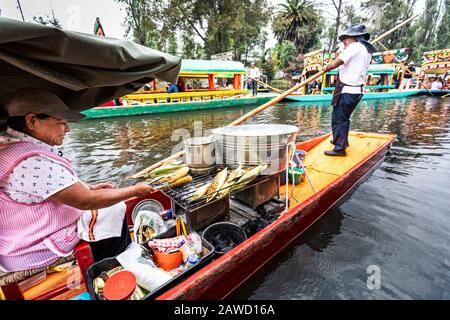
(110, 263)
(168, 261)
(82, 296)
(120, 286)
(295, 175)
(224, 236)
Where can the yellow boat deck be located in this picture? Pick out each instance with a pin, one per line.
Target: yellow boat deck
(324, 170)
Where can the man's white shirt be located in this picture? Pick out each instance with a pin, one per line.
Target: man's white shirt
(255, 73)
(353, 72)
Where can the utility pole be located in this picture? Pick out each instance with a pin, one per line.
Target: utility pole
(20, 8)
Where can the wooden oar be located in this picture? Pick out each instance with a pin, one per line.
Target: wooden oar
(266, 105)
(271, 88)
(393, 29)
(446, 95)
(406, 69)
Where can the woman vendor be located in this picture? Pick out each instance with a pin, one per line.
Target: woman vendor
(45, 210)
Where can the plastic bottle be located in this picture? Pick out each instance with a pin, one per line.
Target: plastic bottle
(192, 260)
(187, 251)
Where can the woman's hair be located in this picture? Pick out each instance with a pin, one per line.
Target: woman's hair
(19, 123)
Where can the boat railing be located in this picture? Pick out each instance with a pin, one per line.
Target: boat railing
(145, 98)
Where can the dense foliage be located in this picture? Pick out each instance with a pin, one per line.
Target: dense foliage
(199, 29)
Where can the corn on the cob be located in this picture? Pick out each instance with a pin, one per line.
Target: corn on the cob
(166, 169)
(180, 173)
(180, 182)
(200, 192)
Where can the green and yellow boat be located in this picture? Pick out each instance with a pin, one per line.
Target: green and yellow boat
(202, 84)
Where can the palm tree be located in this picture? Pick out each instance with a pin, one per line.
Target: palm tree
(299, 22)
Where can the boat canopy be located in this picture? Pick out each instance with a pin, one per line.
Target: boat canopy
(226, 68)
(373, 69)
(84, 70)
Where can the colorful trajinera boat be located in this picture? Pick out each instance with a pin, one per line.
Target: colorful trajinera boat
(329, 181)
(202, 84)
(380, 79)
(436, 64)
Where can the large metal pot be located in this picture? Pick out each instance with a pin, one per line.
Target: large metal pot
(199, 154)
(253, 145)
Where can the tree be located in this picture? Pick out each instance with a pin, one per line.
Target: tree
(443, 39)
(140, 22)
(385, 15)
(47, 20)
(230, 25)
(344, 20)
(425, 33)
(299, 22)
(286, 52)
(333, 29)
(206, 27)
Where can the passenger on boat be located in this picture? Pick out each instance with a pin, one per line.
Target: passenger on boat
(396, 79)
(353, 64)
(407, 76)
(172, 88)
(45, 209)
(180, 85)
(436, 84)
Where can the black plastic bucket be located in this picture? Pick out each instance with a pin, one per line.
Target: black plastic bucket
(224, 236)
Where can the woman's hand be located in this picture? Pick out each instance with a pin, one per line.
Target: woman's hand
(103, 185)
(142, 189)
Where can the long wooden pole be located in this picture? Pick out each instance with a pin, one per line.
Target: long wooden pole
(271, 88)
(446, 95)
(267, 104)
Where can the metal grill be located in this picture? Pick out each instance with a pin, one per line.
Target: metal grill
(182, 195)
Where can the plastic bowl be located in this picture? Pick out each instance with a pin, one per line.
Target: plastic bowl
(168, 261)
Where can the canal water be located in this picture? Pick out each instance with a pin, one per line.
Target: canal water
(389, 240)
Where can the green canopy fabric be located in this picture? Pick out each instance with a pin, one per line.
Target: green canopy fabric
(205, 66)
(83, 70)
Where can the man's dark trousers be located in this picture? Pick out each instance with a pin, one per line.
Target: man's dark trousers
(254, 87)
(340, 120)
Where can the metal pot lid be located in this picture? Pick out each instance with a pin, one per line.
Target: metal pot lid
(256, 130)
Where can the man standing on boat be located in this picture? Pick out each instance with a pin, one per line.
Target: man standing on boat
(407, 76)
(353, 64)
(255, 74)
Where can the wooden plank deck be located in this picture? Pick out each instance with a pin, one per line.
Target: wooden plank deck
(323, 170)
(70, 276)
